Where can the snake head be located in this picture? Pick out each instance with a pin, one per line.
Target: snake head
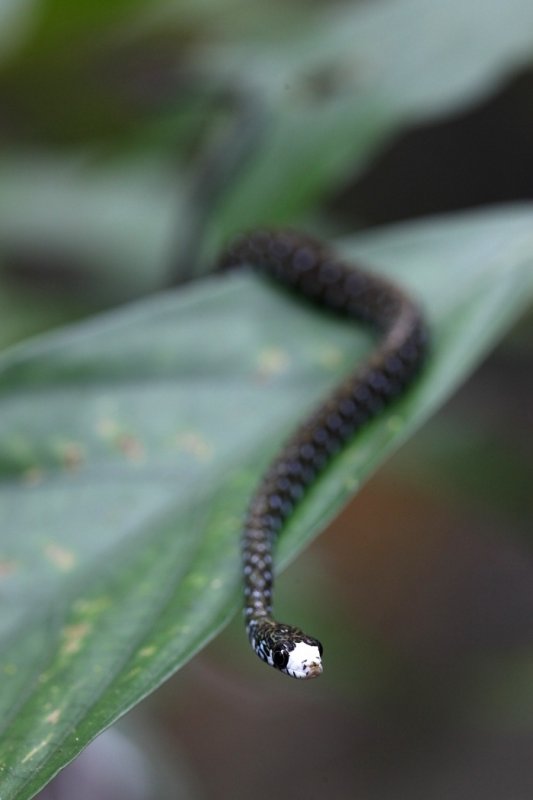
(298, 658)
(286, 648)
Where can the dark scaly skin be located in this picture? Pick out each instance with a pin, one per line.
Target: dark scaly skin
(308, 267)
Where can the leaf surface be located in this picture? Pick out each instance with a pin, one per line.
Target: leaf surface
(129, 446)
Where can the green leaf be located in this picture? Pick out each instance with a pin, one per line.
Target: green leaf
(129, 446)
(346, 82)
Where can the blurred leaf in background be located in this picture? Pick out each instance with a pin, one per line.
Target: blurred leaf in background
(177, 91)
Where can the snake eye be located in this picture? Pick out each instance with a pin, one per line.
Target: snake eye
(280, 658)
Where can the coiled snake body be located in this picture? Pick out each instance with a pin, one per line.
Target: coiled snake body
(312, 270)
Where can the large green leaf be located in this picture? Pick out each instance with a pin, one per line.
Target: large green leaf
(129, 446)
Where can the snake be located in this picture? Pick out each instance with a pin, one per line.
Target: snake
(308, 267)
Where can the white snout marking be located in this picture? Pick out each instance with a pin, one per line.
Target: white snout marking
(304, 661)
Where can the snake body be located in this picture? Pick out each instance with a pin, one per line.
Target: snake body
(312, 270)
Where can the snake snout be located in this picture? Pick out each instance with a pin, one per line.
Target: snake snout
(314, 669)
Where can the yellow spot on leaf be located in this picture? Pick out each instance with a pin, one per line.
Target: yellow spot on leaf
(60, 557)
(351, 484)
(272, 361)
(10, 669)
(107, 427)
(53, 716)
(74, 636)
(195, 444)
(133, 672)
(93, 606)
(146, 652)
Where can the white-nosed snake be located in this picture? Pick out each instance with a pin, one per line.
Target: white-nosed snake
(308, 267)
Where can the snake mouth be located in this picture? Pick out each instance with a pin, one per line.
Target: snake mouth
(314, 670)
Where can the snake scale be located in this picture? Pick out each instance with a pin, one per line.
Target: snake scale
(309, 268)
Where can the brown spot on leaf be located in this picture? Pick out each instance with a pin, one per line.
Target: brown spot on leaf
(33, 476)
(7, 567)
(53, 716)
(131, 447)
(72, 455)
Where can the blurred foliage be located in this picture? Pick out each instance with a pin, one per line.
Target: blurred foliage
(136, 138)
(209, 100)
